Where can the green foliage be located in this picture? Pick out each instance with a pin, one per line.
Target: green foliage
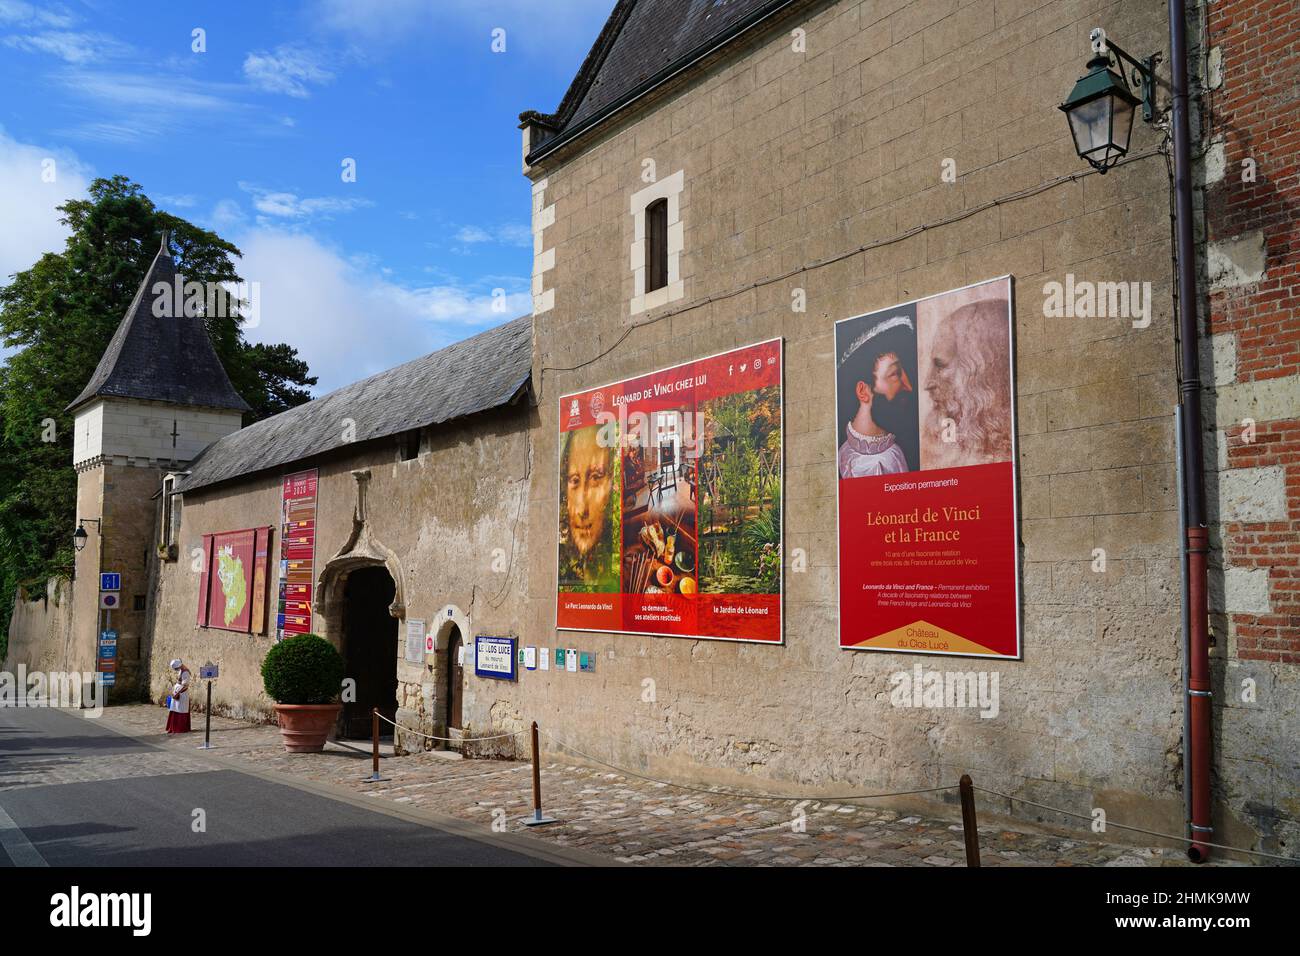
(303, 669)
(59, 315)
(762, 535)
(764, 528)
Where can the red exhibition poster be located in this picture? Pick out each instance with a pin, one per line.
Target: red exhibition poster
(297, 554)
(670, 501)
(230, 578)
(926, 451)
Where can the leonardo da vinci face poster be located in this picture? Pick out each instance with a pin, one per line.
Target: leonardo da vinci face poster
(926, 452)
(670, 501)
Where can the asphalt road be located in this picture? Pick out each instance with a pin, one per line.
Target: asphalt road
(57, 809)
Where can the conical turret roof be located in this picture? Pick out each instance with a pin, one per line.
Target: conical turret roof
(167, 358)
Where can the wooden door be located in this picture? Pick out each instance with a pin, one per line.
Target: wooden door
(455, 681)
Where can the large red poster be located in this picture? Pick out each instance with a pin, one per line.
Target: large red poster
(230, 580)
(297, 554)
(928, 546)
(670, 501)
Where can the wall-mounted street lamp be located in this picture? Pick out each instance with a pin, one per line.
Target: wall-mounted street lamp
(1101, 105)
(1100, 109)
(79, 537)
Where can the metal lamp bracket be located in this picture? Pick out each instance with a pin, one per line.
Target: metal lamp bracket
(1143, 71)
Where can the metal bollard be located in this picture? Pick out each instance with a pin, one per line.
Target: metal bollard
(537, 819)
(970, 830)
(374, 747)
(207, 722)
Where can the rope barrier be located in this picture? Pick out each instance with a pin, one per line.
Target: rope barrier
(454, 740)
(740, 793)
(965, 788)
(1154, 833)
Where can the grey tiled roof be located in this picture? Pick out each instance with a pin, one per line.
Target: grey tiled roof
(480, 373)
(640, 39)
(161, 359)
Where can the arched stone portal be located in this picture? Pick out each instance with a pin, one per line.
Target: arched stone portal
(360, 598)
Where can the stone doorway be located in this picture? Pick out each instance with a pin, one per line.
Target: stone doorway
(455, 689)
(369, 646)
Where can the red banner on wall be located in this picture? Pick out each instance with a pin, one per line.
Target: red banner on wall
(297, 554)
(228, 580)
(670, 501)
(928, 545)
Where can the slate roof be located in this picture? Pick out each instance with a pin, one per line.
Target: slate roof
(161, 359)
(645, 40)
(484, 372)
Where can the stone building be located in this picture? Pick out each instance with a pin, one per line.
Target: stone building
(725, 174)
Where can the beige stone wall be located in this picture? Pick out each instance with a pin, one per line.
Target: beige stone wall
(444, 517)
(40, 630)
(788, 159)
(791, 158)
(121, 497)
(131, 429)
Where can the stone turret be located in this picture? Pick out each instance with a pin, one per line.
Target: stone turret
(158, 397)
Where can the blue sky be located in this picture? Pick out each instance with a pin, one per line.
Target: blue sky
(248, 138)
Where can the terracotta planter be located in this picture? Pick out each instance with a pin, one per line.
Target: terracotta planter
(304, 727)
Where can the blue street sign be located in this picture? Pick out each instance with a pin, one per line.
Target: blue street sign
(110, 581)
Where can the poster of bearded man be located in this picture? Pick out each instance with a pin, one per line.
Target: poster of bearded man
(929, 553)
(964, 343)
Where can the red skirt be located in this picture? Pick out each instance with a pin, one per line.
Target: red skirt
(178, 723)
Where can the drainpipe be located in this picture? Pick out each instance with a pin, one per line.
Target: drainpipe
(1196, 543)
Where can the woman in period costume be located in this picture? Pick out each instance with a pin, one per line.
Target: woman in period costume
(178, 710)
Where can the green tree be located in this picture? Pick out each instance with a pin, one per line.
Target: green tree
(59, 316)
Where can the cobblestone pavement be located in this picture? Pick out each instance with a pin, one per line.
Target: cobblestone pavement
(631, 820)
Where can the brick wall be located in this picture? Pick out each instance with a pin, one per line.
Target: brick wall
(1251, 128)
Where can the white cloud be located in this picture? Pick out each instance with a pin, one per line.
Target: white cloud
(28, 15)
(125, 107)
(289, 70)
(515, 235)
(151, 92)
(508, 235)
(346, 318)
(69, 46)
(227, 214)
(287, 205)
(31, 220)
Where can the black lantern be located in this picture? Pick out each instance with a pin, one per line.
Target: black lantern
(79, 537)
(1101, 105)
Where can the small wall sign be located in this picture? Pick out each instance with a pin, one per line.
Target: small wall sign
(494, 657)
(415, 643)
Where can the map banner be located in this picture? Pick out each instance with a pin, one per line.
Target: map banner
(230, 580)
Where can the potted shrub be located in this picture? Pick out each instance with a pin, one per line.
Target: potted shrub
(303, 675)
